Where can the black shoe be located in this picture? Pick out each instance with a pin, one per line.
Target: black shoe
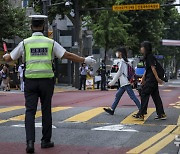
(47, 144)
(139, 117)
(134, 115)
(161, 117)
(108, 110)
(30, 147)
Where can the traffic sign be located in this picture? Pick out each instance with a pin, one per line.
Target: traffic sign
(152, 6)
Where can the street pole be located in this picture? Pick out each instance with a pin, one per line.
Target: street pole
(76, 42)
(45, 12)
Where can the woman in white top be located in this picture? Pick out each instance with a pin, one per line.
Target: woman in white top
(125, 85)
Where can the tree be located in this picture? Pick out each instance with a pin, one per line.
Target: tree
(83, 7)
(13, 22)
(171, 31)
(108, 30)
(146, 25)
(128, 28)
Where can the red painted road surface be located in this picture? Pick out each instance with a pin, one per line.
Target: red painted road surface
(80, 99)
(61, 149)
(91, 98)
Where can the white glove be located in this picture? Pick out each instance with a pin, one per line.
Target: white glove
(6, 55)
(110, 84)
(89, 60)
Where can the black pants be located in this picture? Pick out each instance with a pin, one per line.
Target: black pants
(35, 89)
(98, 83)
(151, 88)
(82, 82)
(103, 82)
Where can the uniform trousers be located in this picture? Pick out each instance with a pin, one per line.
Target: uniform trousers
(35, 89)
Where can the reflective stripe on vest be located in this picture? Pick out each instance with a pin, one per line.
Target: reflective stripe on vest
(38, 57)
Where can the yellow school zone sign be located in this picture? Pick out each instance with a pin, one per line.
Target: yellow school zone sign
(132, 7)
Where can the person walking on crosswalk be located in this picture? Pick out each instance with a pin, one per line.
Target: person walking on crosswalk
(125, 85)
(38, 52)
(150, 82)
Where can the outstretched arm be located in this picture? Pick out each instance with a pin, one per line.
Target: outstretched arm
(73, 57)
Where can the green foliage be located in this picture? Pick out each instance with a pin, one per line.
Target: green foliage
(13, 22)
(171, 31)
(108, 30)
(129, 28)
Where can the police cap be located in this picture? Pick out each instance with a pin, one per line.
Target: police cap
(38, 20)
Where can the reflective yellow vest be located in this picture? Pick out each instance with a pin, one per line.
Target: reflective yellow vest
(38, 57)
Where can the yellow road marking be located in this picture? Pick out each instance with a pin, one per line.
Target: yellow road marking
(7, 109)
(172, 104)
(167, 90)
(3, 121)
(178, 122)
(177, 107)
(178, 103)
(58, 90)
(161, 144)
(38, 114)
(85, 116)
(131, 120)
(160, 85)
(152, 140)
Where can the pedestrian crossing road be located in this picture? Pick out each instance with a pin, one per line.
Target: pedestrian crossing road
(91, 130)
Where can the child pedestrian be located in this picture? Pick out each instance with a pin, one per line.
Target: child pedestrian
(125, 85)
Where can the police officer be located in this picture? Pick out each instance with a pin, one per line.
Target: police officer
(83, 73)
(38, 52)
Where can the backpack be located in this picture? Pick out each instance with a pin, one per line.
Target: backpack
(130, 73)
(160, 71)
(4, 75)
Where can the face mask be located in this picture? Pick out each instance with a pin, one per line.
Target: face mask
(117, 54)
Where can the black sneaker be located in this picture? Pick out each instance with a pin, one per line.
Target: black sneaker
(47, 144)
(108, 110)
(161, 117)
(134, 115)
(30, 147)
(139, 117)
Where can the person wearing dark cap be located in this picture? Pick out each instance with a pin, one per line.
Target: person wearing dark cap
(38, 52)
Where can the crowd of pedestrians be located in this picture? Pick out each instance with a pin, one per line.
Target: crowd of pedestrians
(11, 76)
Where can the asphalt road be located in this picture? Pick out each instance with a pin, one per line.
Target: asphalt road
(80, 125)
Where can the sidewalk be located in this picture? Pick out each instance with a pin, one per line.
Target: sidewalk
(64, 88)
(58, 88)
(173, 83)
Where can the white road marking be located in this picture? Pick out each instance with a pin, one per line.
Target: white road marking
(37, 125)
(118, 128)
